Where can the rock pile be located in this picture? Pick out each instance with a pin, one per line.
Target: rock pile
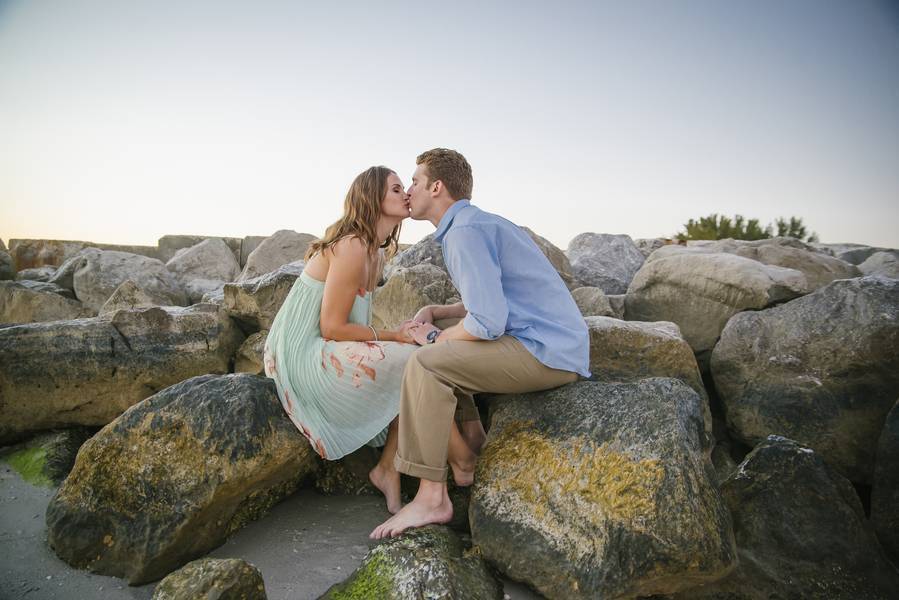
(740, 424)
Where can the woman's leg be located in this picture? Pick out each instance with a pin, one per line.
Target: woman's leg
(384, 476)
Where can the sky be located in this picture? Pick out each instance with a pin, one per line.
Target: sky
(121, 122)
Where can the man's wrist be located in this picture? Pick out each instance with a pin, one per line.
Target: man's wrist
(433, 335)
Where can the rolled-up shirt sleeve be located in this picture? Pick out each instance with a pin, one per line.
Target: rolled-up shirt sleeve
(471, 257)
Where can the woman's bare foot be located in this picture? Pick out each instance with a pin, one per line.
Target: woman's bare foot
(430, 505)
(474, 435)
(388, 481)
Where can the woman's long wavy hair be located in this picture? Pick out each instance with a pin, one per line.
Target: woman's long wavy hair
(361, 211)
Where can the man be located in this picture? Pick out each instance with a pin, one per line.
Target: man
(520, 331)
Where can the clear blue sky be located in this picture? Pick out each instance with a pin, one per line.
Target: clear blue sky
(124, 121)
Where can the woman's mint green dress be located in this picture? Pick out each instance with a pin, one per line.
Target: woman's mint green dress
(340, 395)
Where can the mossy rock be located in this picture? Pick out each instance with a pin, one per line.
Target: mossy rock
(47, 459)
(428, 562)
(171, 478)
(218, 578)
(601, 490)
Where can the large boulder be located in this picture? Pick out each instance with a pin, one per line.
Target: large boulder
(427, 562)
(800, 531)
(885, 492)
(822, 370)
(36, 274)
(701, 292)
(281, 248)
(597, 490)
(885, 264)
(624, 351)
(204, 267)
(88, 371)
(39, 253)
(409, 289)
(604, 260)
(95, 274)
(170, 245)
(556, 258)
(19, 304)
(175, 475)
(592, 302)
(819, 268)
(247, 245)
(249, 356)
(255, 302)
(425, 251)
(213, 578)
(130, 296)
(854, 254)
(7, 266)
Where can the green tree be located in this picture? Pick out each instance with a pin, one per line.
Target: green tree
(716, 227)
(794, 229)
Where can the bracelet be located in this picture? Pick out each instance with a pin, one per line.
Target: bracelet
(374, 332)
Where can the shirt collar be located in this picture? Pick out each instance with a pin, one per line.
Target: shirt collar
(447, 219)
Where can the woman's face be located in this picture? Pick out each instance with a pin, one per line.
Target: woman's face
(396, 201)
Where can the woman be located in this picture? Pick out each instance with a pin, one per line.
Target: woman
(338, 377)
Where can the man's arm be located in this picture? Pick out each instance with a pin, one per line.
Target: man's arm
(435, 312)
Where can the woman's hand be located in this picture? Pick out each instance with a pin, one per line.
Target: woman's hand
(404, 332)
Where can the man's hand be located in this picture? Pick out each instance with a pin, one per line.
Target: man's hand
(420, 332)
(425, 315)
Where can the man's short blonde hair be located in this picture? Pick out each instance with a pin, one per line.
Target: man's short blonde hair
(451, 168)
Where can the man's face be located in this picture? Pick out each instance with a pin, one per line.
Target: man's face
(420, 198)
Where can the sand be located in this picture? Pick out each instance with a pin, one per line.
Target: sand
(303, 546)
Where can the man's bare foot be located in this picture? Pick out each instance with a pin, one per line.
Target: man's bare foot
(431, 505)
(388, 481)
(474, 435)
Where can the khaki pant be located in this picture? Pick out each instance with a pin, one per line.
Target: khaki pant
(440, 376)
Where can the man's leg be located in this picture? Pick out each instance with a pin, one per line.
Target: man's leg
(428, 404)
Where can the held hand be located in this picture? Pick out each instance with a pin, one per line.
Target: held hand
(424, 315)
(404, 331)
(420, 332)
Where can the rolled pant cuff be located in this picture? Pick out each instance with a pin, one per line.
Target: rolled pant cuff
(421, 471)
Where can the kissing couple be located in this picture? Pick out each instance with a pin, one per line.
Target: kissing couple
(345, 384)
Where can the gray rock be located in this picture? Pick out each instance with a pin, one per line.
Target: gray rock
(130, 296)
(95, 274)
(854, 254)
(647, 246)
(616, 302)
(249, 356)
(626, 351)
(175, 475)
(36, 274)
(204, 267)
(218, 578)
(605, 261)
(281, 248)
(701, 292)
(47, 288)
(885, 264)
(7, 266)
(88, 371)
(407, 290)
(169, 245)
(247, 245)
(556, 258)
(800, 531)
(216, 296)
(255, 302)
(39, 253)
(819, 269)
(592, 301)
(428, 562)
(426, 251)
(597, 490)
(20, 304)
(822, 370)
(885, 492)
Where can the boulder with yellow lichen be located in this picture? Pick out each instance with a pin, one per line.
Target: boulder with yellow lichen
(601, 490)
(175, 475)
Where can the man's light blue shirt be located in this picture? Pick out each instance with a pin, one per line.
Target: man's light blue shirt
(509, 287)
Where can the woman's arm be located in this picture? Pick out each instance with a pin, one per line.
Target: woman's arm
(348, 260)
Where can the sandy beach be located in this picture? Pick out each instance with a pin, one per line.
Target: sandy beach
(303, 546)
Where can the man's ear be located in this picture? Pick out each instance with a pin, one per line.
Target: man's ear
(436, 188)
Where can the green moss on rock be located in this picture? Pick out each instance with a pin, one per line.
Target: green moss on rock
(30, 464)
